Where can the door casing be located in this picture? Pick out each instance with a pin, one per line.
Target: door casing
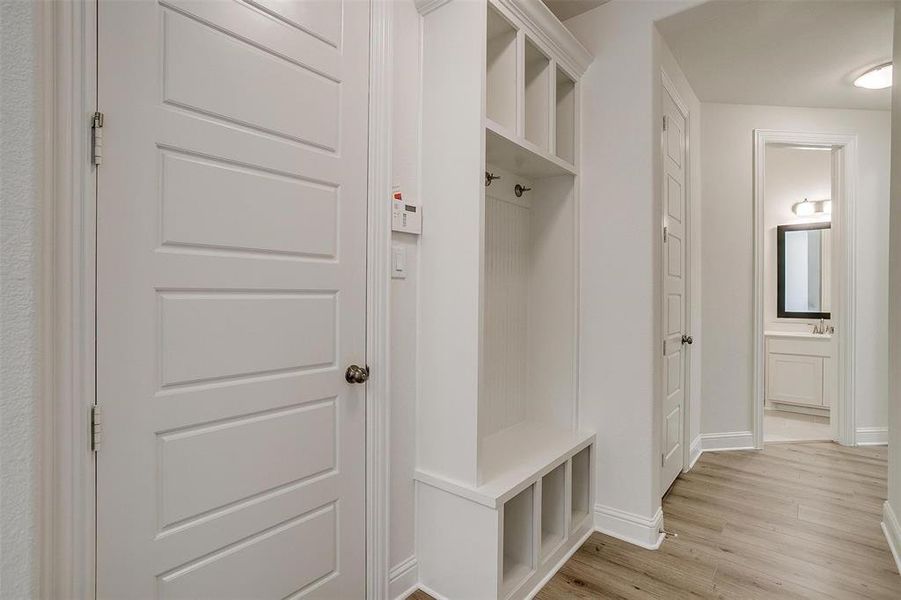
(69, 76)
(844, 176)
(667, 86)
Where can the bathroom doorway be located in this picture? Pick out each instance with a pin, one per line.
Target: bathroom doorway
(802, 334)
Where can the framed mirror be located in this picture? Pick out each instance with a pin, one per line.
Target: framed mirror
(804, 254)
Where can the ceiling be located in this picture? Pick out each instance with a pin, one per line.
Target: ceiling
(783, 53)
(564, 9)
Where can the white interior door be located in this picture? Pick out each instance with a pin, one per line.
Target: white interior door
(674, 248)
(231, 297)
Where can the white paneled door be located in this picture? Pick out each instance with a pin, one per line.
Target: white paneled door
(231, 298)
(674, 247)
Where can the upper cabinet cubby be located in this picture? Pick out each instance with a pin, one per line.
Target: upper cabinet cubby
(536, 87)
(500, 76)
(566, 117)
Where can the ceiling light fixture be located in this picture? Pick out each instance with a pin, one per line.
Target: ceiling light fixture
(877, 78)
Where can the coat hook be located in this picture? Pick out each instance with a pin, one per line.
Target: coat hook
(518, 190)
(489, 177)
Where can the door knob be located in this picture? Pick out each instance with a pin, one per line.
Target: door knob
(356, 374)
(687, 339)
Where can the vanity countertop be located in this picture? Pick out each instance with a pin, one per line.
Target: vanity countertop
(798, 334)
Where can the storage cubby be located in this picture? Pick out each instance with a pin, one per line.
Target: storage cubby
(581, 482)
(518, 538)
(498, 298)
(500, 76)
(537, 79)
(565, 117)
(553, 510)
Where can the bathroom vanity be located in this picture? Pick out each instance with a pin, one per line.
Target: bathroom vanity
(800, 375)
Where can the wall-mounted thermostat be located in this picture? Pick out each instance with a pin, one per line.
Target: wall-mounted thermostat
(405, 214)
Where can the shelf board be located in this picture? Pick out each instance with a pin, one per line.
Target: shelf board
(513, 459)
(521, 156)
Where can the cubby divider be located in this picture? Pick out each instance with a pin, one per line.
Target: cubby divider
(553, 510)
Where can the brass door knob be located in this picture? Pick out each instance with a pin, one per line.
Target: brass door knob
(356, 374)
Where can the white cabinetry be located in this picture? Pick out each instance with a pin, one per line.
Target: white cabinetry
(799, 371)
(504, 475)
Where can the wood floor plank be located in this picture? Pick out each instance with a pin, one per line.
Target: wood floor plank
(795, 521)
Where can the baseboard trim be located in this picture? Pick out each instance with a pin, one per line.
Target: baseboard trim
(630, 527)
(872, 436)
(431, 592)
(730, 440)
(403, 579)
(694, 453)
(892, 531)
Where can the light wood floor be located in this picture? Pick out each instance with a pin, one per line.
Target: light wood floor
(793, 521)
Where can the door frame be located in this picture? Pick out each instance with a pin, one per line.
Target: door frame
(667, 86)
(844, 177)
(66, 553)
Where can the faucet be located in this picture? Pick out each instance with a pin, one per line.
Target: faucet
(822, 329)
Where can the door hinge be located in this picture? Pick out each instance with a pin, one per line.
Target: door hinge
(664, 122)
(663, 459)
(97, 138)
(96, 427)
(664, 233)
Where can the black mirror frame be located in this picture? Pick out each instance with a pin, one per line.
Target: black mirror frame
(781, 313)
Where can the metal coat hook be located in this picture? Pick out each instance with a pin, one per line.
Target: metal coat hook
(518, 190)
(489, 177)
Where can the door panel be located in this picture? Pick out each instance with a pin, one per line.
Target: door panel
(673, 290)
(231, 296)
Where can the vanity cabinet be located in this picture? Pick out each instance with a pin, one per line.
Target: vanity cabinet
(799, 371)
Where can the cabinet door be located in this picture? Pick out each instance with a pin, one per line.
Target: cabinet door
(795, 378)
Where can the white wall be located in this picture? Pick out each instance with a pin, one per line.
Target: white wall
(404, 305)
(727, 230)
(792, 174)
(620, 249)
(20, 223)
(894, 445)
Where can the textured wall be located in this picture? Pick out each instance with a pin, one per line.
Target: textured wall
(19, 256)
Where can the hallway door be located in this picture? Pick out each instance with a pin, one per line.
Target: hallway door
(676, 338)
(230, 298)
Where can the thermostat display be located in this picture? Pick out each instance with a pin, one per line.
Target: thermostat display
(405, 215)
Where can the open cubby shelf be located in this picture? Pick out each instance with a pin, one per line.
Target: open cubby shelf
(553, 510)
(521, 156)
(566, 117)
(500, 73)
(537, 85)
(518, 538)
(581, 491)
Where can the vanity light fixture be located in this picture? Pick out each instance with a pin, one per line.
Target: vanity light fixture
(806, 208)
(877, 78)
